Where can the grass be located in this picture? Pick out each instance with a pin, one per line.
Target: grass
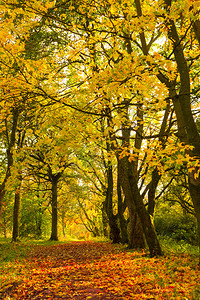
(10, 252)
(171, 246)
(12, 257)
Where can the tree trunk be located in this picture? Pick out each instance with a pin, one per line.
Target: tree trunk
(136, 239)
(96, 230)
(63, 223)
(2, 195)
(196, 27)
(152, 191)
(126, 171)
(39, 223)
(54, 205)
(135, 205)
(64, 229)
(16, 210)
(104, 219)
(136, 236)
(39, 215)
(10, 142)
(112, 219)
(196, 23)
(121, 209)
(194, 187)
(4, 227)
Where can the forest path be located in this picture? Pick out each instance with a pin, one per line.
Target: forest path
(91, 270)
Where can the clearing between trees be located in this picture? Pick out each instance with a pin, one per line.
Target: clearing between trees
(94, 270)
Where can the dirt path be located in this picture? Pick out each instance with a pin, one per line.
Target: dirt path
(88, 270)
(75, 270)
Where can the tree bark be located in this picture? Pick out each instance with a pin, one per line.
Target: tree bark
(64, 229)
(121, 209)
(54, 206)
(196, 23)
(104, 219)
(194, 188)
(63, 224)
(135, 204)
(128, 170)
(39, 215)
(152, 191)
(196, 27)
(10, 142)
(16, 210)
(4, 224)
(39, 223)
(112, 219)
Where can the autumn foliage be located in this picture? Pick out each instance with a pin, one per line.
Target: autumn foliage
(90, 270)
(99, 128)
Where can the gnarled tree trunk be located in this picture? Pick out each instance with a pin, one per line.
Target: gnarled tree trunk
(135, 205)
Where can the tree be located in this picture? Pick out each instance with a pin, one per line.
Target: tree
(178, 32)
(9, 144)
(97, 87)
(130, 65)
(191, 136)
(43, 167)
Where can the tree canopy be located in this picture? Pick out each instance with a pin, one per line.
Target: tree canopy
(100, 112)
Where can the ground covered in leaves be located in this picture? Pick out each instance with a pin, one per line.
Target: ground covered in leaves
(91, 270)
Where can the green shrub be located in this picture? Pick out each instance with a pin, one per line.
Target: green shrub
(170, 245)
(180, 227)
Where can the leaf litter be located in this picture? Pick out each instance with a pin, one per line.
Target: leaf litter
(99, 270)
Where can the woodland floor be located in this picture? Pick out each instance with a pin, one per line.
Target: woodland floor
(97, 270)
